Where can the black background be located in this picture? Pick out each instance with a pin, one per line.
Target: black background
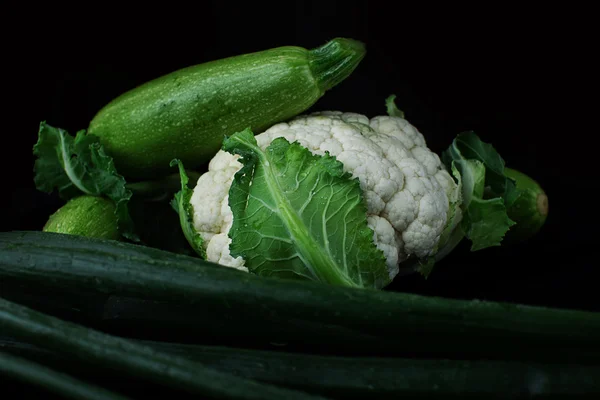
(506, 73)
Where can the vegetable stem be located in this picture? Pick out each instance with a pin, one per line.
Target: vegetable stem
(334, 61)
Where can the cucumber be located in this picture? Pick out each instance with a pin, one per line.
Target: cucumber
(377, 377)
(367, 377)
(84, 345)
(31, 373)
(222, 303)
(187, 113)
(86, 215)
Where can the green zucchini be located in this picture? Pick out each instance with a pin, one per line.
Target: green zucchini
(82, 344)
(367, 377)
(86, 215)
(31, 373)
(187, 113)
(530, 209)
(222, 303)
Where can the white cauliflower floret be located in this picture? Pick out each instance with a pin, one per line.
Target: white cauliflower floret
(212, 216)
(406, 187)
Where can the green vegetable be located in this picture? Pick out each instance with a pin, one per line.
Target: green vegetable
(370, 377)
(486, 190)
(79, 166)
(187, 113)
(392, 109)
(296, 210)
(300, 215)
(85, 215)
(530, 209)
(499, 203)
(94, 216)
(181, 204)
(385, 377)
(228, 304)
(82, 344)
(85, 177)
(31, 373)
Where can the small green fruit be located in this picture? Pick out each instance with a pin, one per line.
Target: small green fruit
(90, 216)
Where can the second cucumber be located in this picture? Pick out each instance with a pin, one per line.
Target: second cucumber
(187, 113)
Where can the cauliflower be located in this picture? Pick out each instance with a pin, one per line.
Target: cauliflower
(410, 197)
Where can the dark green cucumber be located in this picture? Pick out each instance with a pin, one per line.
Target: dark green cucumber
(34, 374)
(368, 377)
(91, 216)
(187, 113)
(85, 345)
(220, 302)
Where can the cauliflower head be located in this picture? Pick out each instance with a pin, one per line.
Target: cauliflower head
(410, 196)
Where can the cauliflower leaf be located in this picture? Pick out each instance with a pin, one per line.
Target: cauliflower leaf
(79, 165)
(181, 204)
(300, 216)
(486, 190)
(468, 145)
(392, 109)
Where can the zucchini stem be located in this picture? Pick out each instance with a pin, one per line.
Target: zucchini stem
(334, 61)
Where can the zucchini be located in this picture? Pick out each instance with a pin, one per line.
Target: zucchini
(218, 303)
(86, 215)
(370, 377)
(530, 209)
(31, 373)
(187, 113)
(84, 345)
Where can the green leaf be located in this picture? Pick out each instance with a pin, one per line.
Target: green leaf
(60, 164)
(424, 267)
(471, 177)
(487, 223)
(76, 166)
(181, 204)
(392, 110)
(520, 205)
(300, 216)
(485, 220)
(468, 145)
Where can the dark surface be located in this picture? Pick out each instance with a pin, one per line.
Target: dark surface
(502, 73)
